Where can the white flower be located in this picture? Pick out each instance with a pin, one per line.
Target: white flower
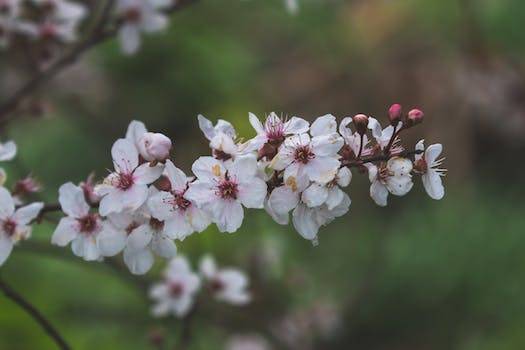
(7, 151)
(222, 189)
(228, 284)
(353, 139)
(151, 146)
(176, 293)
(307, 221)
(62, 10)
(247, 342)
(9, 20)
(393, 177)
(145, 236)
(313, 159)
(274, 130)
(14, 224)
(428, 165)
(140, 16)
(222, 138)
(284, 198)
(91, 237)
(126, 188)
(180, 215)
(383, 136)
(331, 194)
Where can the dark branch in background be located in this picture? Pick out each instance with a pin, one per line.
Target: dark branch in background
(101, 32)
(35, 314)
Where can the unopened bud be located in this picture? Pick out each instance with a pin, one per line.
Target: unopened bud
(361, 123)
(26, 186)
(414, 117)
(154, 146)
(394, 113)
(88, 187)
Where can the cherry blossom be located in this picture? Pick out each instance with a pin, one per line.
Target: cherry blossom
(428, 165)
(9, 20)
(393, 177)
(222, 188)
(331, 194)
(91, 237)
(140, 16)
(151, 146)
(357, 144)
(273, 133)
(176, 293)
(127, 187)
(180, 215)
(227, 284)
(14, 223)
(7, 151)
(222, 138)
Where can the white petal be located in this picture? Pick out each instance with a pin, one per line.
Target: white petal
(135, 131)
(138, 262)
(296, 126)
(379, 193)
(243, 169)
(304, 222)
(376, 128)
(322, 169)
(315, 195)
(146, 174)
(327, 145)
(7, 205)
(207, 168)
(25, 215)
(206, 127)
(200, 193)
(125, 156)
(344, 130)
(110, 242)
(178, 179)
(433, 185)
(227, 215)
(139, 238)
(161, 206)
(65, 232)
(432, 152)
(164, 247)
(129, 37)
(7, 151)
(344, 177)
(283, 199)
(72, 200)
(198, 218)
(6, 246)
(420, 146)
(154, 22)
(399, 166)
(86, 247)
(280, 218)
(252, 193)
(399, 185)
(256, 123)
(335, 197)
(324, 125)
(132, 198)
(178, 227)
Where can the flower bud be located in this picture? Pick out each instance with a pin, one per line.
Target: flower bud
(394, 113)
(414, 117)
(361, 123)
(26, 186)
(154, 146)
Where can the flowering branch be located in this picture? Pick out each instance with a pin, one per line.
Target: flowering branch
(35, 314)
(104, 29)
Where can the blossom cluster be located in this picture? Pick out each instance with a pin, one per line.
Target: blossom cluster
(177, 292)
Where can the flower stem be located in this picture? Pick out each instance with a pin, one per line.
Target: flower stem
(46, 325)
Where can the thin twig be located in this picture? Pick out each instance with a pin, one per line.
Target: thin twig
(35, 314)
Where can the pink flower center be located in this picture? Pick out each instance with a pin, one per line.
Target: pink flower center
(176, 289)
(133, 15)
(9, 227)
(88, 224)
(125, 181)
(48, 31)
(227, 189)
(303, 154)
(179, 202)
(216, 285)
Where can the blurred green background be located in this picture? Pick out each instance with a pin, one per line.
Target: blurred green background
(418, 274)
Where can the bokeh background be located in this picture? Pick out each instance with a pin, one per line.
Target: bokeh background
(418, 274)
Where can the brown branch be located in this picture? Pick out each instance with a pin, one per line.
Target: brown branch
(98, 35)
(35, 314)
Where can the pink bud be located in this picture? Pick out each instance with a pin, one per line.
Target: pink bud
(26, 186)
(394, 113)
(155, 146)
(361, 123)
(414, 117)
